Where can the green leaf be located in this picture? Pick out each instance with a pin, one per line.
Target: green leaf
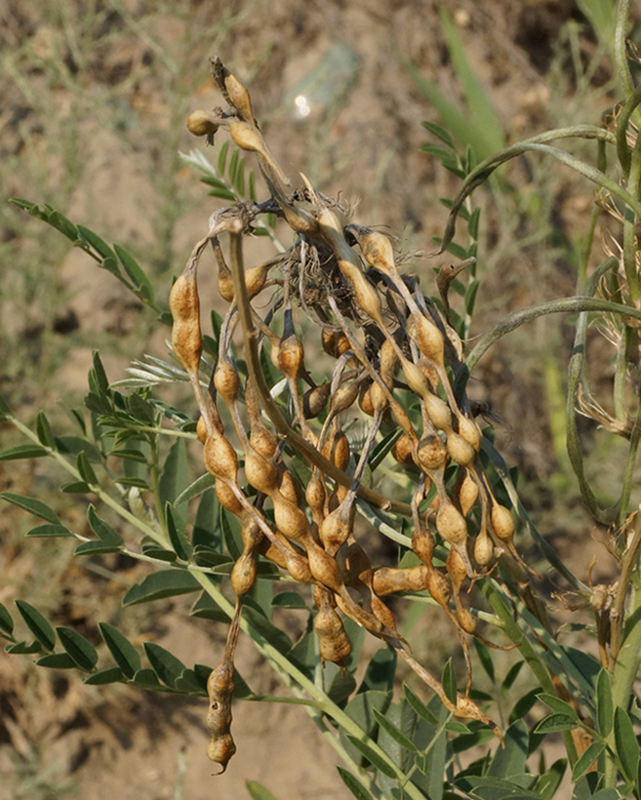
(239, 180)
(23, 649)
(258, 792)
(556, 704)
(175, 528)
(173, 480)
(37, 624)
(222, 158)
(134, 271)
(101, 247)
(449, 682)
(5, 410)
(394, 732)
(165, 664)
(604, 704)
(223, 194)
(510, 760)
(161, 584)
(251, 190)
(626, 744)
(419, 707)
(206, 531)
(43, 429)
(586, 760)
(524, 704)
(49, 530)
(104, 676)
(288, 600)
(64, 225)
(146, 679)
(380, 672)
(207, 608)
(72, 445)
(57, 661)
(84, 468)
(6, 623)
(199, 486)
(354, 785)
(361, 709)
(233, 164)
(103, 531)
(373, 757)
(95, 549)
(100, 374)
(485, 658)
(155, 551)
(79, 649)
(555, 723)
(124, 653)
(439, 132)
(23, 451)
(549, 782)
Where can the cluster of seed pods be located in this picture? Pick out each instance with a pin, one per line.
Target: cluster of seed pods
(386, 338)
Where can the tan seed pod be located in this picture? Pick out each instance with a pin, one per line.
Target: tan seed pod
(238, 96)
(290, 356)
(438, 411)
(263, 441)
(379, 397)
(184, 305)
(335, 343)
(470, 431)
(402, 451)
(387, 580)
(243, 575)
(502, 522)
(251, 534)
(323, 566)
(260, 473)
(220, 458)
(344, 397)
(428, 338)
(221, 749)
(415, 378)
(365, 398)
(439, 587)
(336, 528)
(378, 251)
(290, 487)
(227, 498)
(315, 493)
(465, 617)
(220, 688)
(456, 569)
(459, 450)
(483, 549)
(450, 524)
(431, 374)
(383, 613)
(423, 545)
(290, 520)
(336, 449)
(202, 123)
(466, 491)
(334, 644)
(431, 453)
(226, 381)
(315, 400)
(201, 429)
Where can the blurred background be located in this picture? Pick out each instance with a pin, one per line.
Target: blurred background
(93, 102)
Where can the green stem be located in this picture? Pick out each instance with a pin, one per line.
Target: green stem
(155, 484)
(166, 432)
(292, 675)
(620, 56)
(628, 475)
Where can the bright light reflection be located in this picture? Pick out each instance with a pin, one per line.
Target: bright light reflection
(302, 108)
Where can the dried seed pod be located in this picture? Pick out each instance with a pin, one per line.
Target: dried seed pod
(438, 411)
(233, 90)
(315, 400)
(243, 575)
(483, 549)
(202, 123)
(344, 397)
(184, 305)
(248, 137)
(220, 688)
(335, 343)
(290, 356)
(382, 612)
(456, 569)
(423, 544)
(365, 398)
(465, 617)
(260, 473)
(228, 499)
(402, 451)
(334, 644)
(470, 431)
(439, 587)
(226, 381)
(465, 491)
(431, 453)
(315, 493)
(201, 429)
(502, 522)
(290, 487)
(376, 248)
(459, 450)
(290, 520)
(263, 441)
(224, 283)
(428, 338)
(336, 527)
(220, 458)
(387, 580)
(336, 449)
(450, 523)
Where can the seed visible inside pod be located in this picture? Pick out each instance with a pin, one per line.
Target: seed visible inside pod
(220, 458)
(415, 378)
(402, 451)
(315, 400)
(202, 123)
(431, 452)
(502, 522)
(226, 381)
(450, 524)
(470, 431)
(243, 574)
(460, 451)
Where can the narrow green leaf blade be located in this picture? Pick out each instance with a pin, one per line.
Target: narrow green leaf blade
(555, 723)
(556, 704)
(98, 244)
(626, 744)
(43, 429)
(124, 653)
(104, 676)
(49, 530)
(178, 539)
(604, 704)
(448, 681)
(373, 757)
(37, 624)
(165, 664)
(354, 785)
(394, 732)
(103, 531)
(57, 661)
(6, 623)
(132, 268)
(586, 760)
(258, 792)
(79, 649)
(23, 451)
(35, 507)
(161, 584)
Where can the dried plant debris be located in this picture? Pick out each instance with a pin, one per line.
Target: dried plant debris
(386, 337)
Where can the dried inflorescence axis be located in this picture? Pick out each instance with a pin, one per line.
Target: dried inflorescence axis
(386, 337)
